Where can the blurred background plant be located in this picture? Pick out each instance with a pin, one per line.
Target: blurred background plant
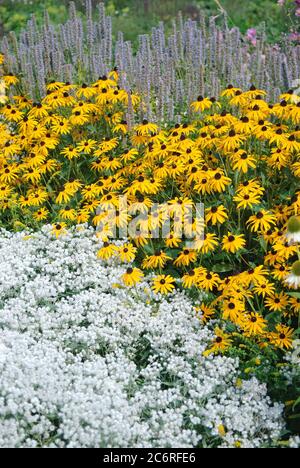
(135, 17)
(177, 61)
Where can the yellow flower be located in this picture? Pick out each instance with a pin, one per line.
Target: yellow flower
(216, 215)
(232, 309)
(10, 79)
(70, 152)
(190, 279)
(277, 302)
(158, 260)
(219, 181)
(221, 430)
(132, 276)
(220, 344)
(254, 324)
(207, 312)
(246, 200)
(209, 243)
(207, 280)
(127, 252)
(261, 221)
(41, 214)
(243, 161)
(68, 213)
(59, 229)
(163, 284)
(146, 128)
(233, 242)
(107, 251)
(201, 104)
(283, 337)
(186, 257)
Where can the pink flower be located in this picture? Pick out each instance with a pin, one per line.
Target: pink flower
(294, 36)
(297, 12)
(280, 2)
(251, 36)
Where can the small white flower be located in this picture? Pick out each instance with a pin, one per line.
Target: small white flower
(293, 237)
(85, 364)
(293, 230)
(3, 351)
(293, 279)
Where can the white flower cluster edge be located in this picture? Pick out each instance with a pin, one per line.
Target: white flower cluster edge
(85, 363)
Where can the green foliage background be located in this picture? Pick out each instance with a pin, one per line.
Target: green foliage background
(135, 17)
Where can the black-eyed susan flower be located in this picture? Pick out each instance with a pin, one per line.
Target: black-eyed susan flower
(58, 229)
(10, 79)
(261, 221)
(163, 284)
(208, 244)
(220, 344)
(277, 302)
(219, 182)
(282, 337)
(68, 213)
(254, 324)
(70, 152)
(230, 91)
(233, 242)
(264, 289)
(206, 312)
(132, 276)
(232, 141)
(186, 257)
(127, 252)
(242, 161)
(247, 200)
(107, 251)
(207, 280)
(232, 309)
(201, 104)
(61, 126)
(146, 128)
(254, 275)
(216, 215)
(295, 305)
(190, 279)
(172, 241)
(41, 214)
(158, 260)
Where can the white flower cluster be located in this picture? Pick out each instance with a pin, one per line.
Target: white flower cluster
(85, 363)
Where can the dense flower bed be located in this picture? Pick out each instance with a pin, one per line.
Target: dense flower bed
(80, 149)
(182, 339)
(85, 363)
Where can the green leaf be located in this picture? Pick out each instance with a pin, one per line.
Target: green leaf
(296, 403)
(294, 294)
(273, 316)
(294, 416)
(222, 267)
